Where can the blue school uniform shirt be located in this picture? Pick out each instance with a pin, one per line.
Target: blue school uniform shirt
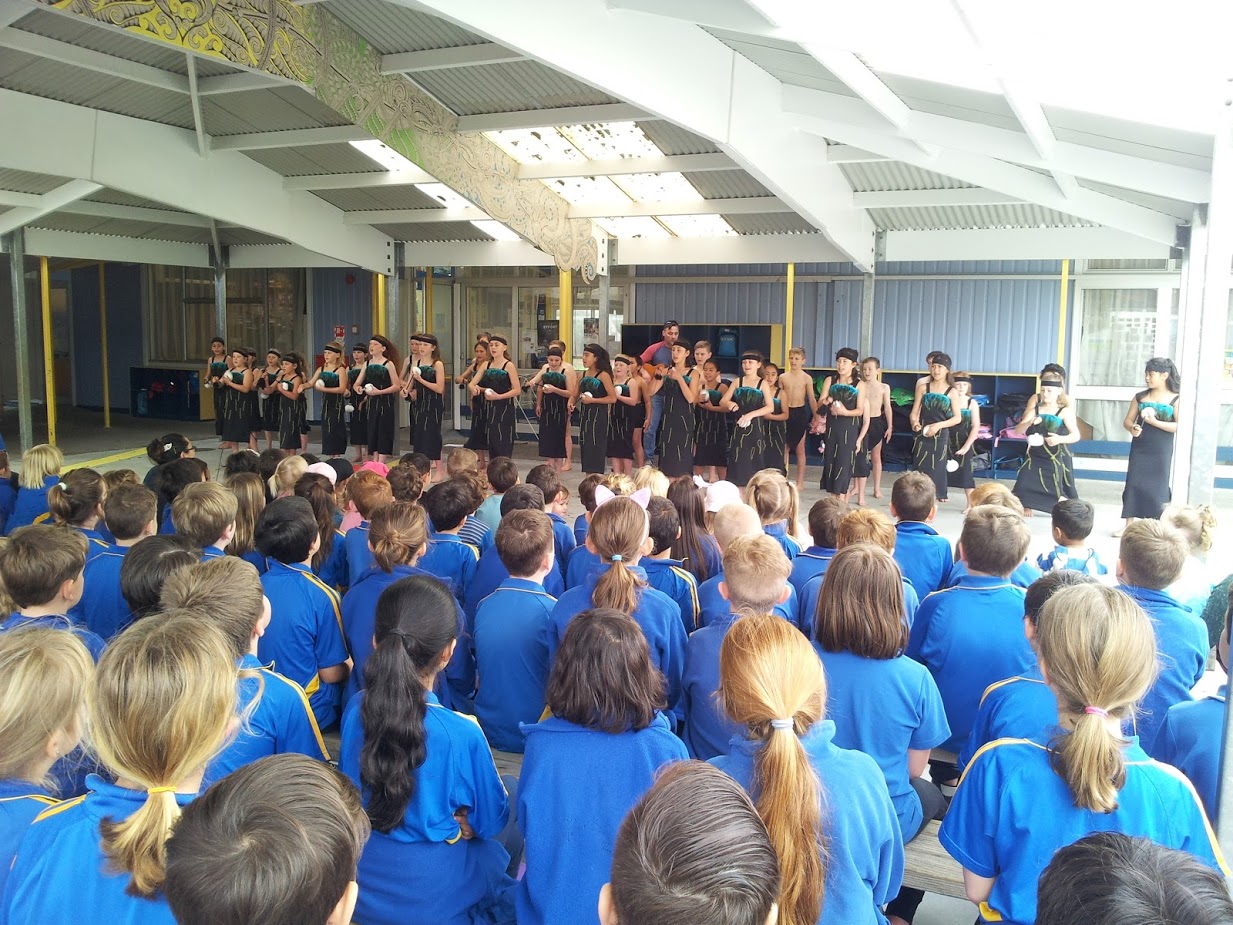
(165, 525)
(712, 606)
(779, 533)
(256, 560)
(8, 499)
(1077, 560)
(864, 868)
(489, 513)
(334, 571)
(61, 872)
(489, 574)
(1022, 707)
(96, 543)
(358, 555)
(577, 785)
(30, 507)
(809, 564)
(582, 564)
(451, 560)
(884, 707)
(1012, 812)
(424, 870)
(924, 557)
(970, 636)
(1022, 577)
(707, 730)
(581, 526)
(304, 635)
(563, 542)
(476, 532)
(20, 802)
(511, 659)
(671, 577)
(808, 612)
(711, 557)
(1190, 739)
(1181, 649)
(211, 552)
(656, 613)
(282, 721)
(57, 622)
(102, 608)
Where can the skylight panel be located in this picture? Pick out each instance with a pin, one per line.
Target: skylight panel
(697, 226)
(588, 191)
(658, 187)
(610, 140)
(636, 227)
(536, 146)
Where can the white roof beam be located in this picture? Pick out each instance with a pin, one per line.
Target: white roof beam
(731, 15)
(269, 256)
(476, 254)
(539, 118)
(846, 154)
(626, 166)
(930, 198)
(752, 205)
(436, 59)
(44, 242)
(1021, 244)
(49, 202)
(135, 213)
(109, 65)
(757, 248)
(238, 83)
(413, 216)
(409, 176)
(13, 10)
(10, 198)
(295, 138)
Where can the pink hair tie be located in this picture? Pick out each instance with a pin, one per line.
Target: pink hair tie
(1096, 711)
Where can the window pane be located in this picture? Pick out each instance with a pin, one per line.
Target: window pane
(1117, 334)
(165, 317)
(199, 326)
(285, 306)
(487, 309)
(1100, 419)
(539, 314)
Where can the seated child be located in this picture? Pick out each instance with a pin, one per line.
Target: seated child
(304, 641)
(8, 490)
(664, 573)
(695, 547)
(40, 470)
(162, 703)
(204, 514)
(77, 501)
(586, 497)
(924, 557)
(1072, 525)
(511, 632)
(583, 563)
(369, 493)
(41, 567)
(491, 570)
(1195, 583)
(172, 479)
(556, 502)
(971, 635)
(755, 579)
(227, 592)
(330, 560)
(448, 503)
(663, 865)
(997, 494)
(277, 842)
(130, 511)
(502, 476)
(775, 500)
(474, 531)
(250, 502)
(824, 518)
(730, 522)
(406, 483)
(146, 568)
(1150, 558)
(590, 759)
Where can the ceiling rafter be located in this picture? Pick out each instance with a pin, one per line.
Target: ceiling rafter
(49, 202)
(539, 118)
(436, 59)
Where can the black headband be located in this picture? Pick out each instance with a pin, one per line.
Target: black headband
(425, 339)
(1052, 382)
(847, 353)
(555, 352)
(751, 355)
(498, 339)
(962, 378)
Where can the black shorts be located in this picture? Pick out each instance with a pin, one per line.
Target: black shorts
(798, 422)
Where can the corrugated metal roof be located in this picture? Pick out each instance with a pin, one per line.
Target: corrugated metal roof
(672, 139)
(76, 30)
(385, 197)
(392, 28)
(512, 87)
(245, 236)
(445, 231)
(785, 61)
(314, 160)
(19, 181)
(726, 184)
(125, 228)
(118, 198)
(770, 223)
(895, 175)
(275, 110)
(1018, 215)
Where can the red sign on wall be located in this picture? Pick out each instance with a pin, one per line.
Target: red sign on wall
(339, 332)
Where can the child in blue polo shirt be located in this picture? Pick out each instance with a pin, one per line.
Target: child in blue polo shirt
(556, 501)
(146, 568)
(775, 500)
(824, 518)
(8, 490)
(924, 557)
(971, 635)
(589, 761)
(130, 511)
(663, 573)
(491, 571)
(448, 557)
(173, 478)
(1020, 800)
(502, 476)
(755, 579)
(43, 680)
(731, 521)
(586, 497)
(77, 500)
(1072, 525)
(40, 470)
(304, 640)
(511, 632)
(583, 563)
(204, 514)
(997, 494)
(773, 686)
(619, 535)
(439, 850)
(1150, 558)
(163, 702)
(1023, 706)
(368, 492)
(227, 592)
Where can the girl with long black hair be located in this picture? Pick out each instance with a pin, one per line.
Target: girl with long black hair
(1152, 424)
(380, 383)
(597, 395)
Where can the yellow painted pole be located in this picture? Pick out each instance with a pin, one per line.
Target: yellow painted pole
(565, 313)
(49, 361)
(378, 285)
(789, 305)
(1061, 313)
(427, 300)
(102, 330)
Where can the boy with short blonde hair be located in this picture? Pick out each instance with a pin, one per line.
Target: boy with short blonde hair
(368, 492)
(733, 521)
(42, 569)
(924, 557)
(204, 514)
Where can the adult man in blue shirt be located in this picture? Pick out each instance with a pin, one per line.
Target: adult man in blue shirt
(659, 355)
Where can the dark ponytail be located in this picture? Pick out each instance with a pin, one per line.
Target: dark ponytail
(166, 448)
(416, 621)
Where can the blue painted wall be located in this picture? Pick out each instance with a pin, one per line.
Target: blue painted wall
(124, 332)
(336, 300)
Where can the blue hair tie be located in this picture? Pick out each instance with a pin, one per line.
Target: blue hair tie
(618, 558)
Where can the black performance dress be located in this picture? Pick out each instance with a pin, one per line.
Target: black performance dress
(1047, 474)
(553, 418)
(776, 437)
(333, 418)
(675, 449)
(1151, 459)
(593, 426)
(961, 477)
(840, 455)
(380, 410)
(499, 414)
(235, 410)
(929, 454)
(359, 414)
(427, 411)
(294, 413)
(271, 405)
(218, 369)
(621, 424)
(747, 448)
(711, 436)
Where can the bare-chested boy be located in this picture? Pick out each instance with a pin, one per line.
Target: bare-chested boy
(802, 410)
(881, 421)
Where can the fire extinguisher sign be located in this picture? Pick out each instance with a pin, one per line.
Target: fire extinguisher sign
(339, 332)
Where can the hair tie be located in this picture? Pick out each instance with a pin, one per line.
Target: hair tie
(1096, 711)
(61, 484)
(154, 790)
(618, 558)
(782, 724)
(166, 447)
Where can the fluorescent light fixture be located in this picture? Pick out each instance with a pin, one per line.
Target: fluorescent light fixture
(443, 194)
(496, 230)
(383, 154)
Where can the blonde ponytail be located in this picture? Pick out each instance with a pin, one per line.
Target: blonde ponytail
(1098, 650)
(619, 529)
(772, 683)
(774, 498)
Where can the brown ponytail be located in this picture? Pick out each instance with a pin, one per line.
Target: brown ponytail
(619, 529)
(398, 533)
(768, 673)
